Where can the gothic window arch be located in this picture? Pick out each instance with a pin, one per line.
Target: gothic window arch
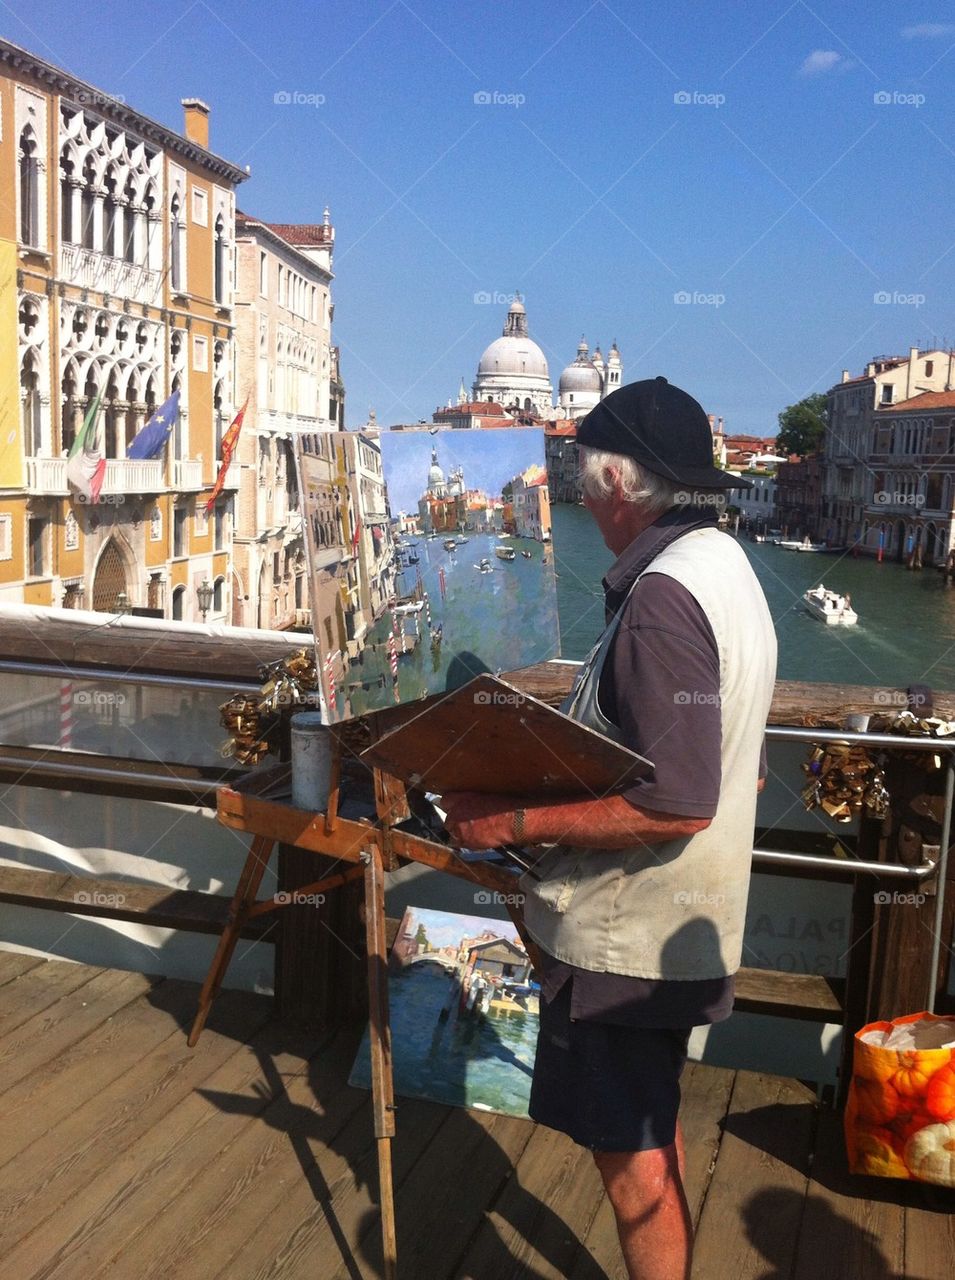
(219, 265)
(176, 280)
(129, 221)
(88, 204)
(110, 212)
(31, 416)
(29, 187)
(66, 196)
(68, 417)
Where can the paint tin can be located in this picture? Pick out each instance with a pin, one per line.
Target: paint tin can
(311, 761)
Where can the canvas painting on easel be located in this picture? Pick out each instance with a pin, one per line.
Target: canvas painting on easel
(430, 560)
(464, 1013)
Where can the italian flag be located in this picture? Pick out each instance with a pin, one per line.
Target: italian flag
(85, 464)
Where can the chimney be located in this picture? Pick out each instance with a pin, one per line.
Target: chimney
(720, 420)
(197, 121)
(910, 373)
(845, 375)
(712, 421)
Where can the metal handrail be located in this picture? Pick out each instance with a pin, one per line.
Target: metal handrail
(850, 866)
(61, 671)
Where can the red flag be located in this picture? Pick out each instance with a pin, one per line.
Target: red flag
(355, 536)
(229, 442)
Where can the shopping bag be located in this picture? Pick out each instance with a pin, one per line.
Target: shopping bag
(900, 1112)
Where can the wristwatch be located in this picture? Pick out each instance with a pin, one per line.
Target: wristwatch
(519, 816)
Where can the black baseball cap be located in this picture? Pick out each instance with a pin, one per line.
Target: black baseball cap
(662, 428)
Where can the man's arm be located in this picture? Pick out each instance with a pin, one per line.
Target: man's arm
(609, 822)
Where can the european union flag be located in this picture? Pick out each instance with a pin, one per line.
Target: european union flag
(151, 441)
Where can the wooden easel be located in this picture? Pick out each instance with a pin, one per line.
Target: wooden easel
(372, 848)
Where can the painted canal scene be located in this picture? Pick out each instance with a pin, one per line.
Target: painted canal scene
(464, 1012)
(431, 560)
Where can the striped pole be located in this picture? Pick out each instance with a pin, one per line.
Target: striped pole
(393, 664)
(330, 680)
(66, 714)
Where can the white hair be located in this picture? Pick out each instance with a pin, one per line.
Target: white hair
(638, 485)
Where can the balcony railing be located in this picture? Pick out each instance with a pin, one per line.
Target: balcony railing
(186, 474)
(93, 270)
(123, 475)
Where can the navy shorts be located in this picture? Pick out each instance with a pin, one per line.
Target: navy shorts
(609, 1088)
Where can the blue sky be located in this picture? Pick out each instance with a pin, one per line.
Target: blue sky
(489, 459)
(778, 166)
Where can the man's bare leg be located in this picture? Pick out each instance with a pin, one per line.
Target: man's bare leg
(645, 1189)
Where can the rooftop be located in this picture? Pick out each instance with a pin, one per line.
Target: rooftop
(925, 402)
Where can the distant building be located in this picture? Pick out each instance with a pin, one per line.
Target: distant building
(799, 495)
(852, 405)
(756, 505)
(286, 364)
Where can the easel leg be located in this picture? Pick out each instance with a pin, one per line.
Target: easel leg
(244, 897)
(382, 1082)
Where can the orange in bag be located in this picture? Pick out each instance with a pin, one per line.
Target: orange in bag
(900, 1112)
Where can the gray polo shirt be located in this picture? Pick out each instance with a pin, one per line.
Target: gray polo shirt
(661, 686)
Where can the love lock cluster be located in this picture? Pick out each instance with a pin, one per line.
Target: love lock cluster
(842, 779)
(252, 720)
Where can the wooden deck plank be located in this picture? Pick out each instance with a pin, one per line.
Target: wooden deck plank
(98, 1127)
(90, 1227)
(707, 1092)
(210, 1219)
(541, 1217)
(929, 1233)
(38, 1103)
(752, 1210)
(36, 989)
(48, 1034)
(851, 1226)
(440, 1204)
(327, 1211)
(13, 963)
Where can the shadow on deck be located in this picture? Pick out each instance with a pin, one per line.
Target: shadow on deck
(126, 1154)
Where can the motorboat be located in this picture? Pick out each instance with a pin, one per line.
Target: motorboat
(505, 553)
(830, 607)
(807, 545)
(526, 555)
(461, 539)
(485, 566)
(450, 544)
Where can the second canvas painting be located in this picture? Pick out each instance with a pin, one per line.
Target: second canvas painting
(430, 560)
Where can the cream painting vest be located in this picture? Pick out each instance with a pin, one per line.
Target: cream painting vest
(674, 910)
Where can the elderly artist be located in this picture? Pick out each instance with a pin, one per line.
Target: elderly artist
(638, 906)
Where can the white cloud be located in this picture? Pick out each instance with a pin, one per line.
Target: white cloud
(820, 60)
(928, 31)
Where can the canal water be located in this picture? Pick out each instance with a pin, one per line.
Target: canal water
(484, 1061)
(906, 629)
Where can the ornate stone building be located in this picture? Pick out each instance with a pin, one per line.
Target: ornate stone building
(116, 277)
